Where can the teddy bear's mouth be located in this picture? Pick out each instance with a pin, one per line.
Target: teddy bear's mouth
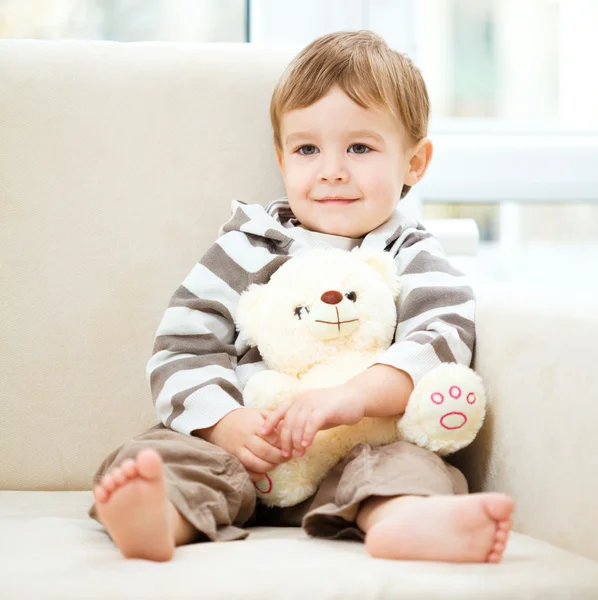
(328, 322)
(337, 322)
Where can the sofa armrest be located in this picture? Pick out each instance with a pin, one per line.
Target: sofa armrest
(536, 350)
(459, 237)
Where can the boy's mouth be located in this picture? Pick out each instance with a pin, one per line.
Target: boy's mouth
(336, 200)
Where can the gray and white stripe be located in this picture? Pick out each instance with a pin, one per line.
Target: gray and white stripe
(436, 306)
(200, 365)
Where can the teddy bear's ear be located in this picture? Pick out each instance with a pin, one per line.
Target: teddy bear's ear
(247, 318)
(383, 263)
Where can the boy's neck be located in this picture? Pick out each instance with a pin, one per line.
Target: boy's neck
(342, 237)
(337, 241)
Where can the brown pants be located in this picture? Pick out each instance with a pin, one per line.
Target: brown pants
(212, 490)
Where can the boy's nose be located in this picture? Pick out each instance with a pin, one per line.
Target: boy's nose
(333, 170)
(340, 177)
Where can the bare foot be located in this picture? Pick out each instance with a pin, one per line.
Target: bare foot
(132, 505)
(468, 528)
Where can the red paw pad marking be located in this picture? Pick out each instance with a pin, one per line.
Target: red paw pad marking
(453, 420)
(471, 398)
(257, 487)
(437, 398)
(455, 392)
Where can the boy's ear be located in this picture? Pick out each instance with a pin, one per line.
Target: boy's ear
(280, 161)
(420, 160)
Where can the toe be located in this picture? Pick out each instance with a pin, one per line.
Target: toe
(100, 494)
(494, 557)
(505, 525)
(501, 536)
(119, 477)
(149, 464)
(129, 468)
(108, 483)
(499, 506)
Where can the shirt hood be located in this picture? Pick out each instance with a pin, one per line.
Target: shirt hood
(276, 223)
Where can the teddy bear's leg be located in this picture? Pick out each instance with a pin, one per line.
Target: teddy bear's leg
(298, 479)
(285, 486)
(445, 410)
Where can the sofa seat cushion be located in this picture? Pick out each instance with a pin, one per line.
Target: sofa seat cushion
(50, 548)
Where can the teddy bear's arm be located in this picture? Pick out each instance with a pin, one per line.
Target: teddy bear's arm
(267, 389)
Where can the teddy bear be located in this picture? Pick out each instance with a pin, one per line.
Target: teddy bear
(323, 317)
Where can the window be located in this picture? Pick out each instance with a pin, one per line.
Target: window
(528, 61)
(514, 115)
(125, 20)
(512, 85)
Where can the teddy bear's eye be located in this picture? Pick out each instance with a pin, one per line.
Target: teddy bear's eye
(351, 296)
(299, 310)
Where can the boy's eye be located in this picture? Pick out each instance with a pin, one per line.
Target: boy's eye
(307, 150)
(351, 296)
(359, 149)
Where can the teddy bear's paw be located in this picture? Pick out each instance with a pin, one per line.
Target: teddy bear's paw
(445, 410)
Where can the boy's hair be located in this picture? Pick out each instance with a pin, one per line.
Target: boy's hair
(366, 69)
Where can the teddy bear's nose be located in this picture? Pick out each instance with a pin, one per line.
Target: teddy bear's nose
(331, 297)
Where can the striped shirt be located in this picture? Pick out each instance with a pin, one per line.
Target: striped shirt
(200, 365)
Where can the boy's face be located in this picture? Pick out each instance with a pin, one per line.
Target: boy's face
(344, 166)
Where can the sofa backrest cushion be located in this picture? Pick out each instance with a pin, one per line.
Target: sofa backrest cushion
(118, 163)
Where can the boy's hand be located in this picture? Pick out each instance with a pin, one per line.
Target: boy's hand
(309, 412)
(238, 434)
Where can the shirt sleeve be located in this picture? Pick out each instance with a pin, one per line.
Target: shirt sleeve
(436, 308)
(200, 365)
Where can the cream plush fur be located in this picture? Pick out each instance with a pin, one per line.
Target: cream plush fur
(324, 317)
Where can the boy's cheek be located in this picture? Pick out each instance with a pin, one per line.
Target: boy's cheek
(297, 189)
(298, 177)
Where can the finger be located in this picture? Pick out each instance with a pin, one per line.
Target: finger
(264, 450)
(273, 438)
(294, 422)
(252, 463)
(286, 441)
(297, 434)
(313, 425)
(256, 477)
(275, 417)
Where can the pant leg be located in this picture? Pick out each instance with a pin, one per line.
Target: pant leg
(397, 469)
(207, 485)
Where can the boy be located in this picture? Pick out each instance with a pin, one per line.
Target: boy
(350, 120)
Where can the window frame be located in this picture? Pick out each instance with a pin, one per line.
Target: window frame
(475, 160)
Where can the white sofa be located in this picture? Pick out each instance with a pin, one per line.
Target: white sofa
(117, 164)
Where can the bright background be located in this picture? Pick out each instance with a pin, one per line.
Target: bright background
(514, 91)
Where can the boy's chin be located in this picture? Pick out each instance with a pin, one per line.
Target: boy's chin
(351, 227)
(342, 230)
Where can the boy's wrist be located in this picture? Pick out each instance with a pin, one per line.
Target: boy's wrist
(211, 434)
(383, 390)
(205, 433)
